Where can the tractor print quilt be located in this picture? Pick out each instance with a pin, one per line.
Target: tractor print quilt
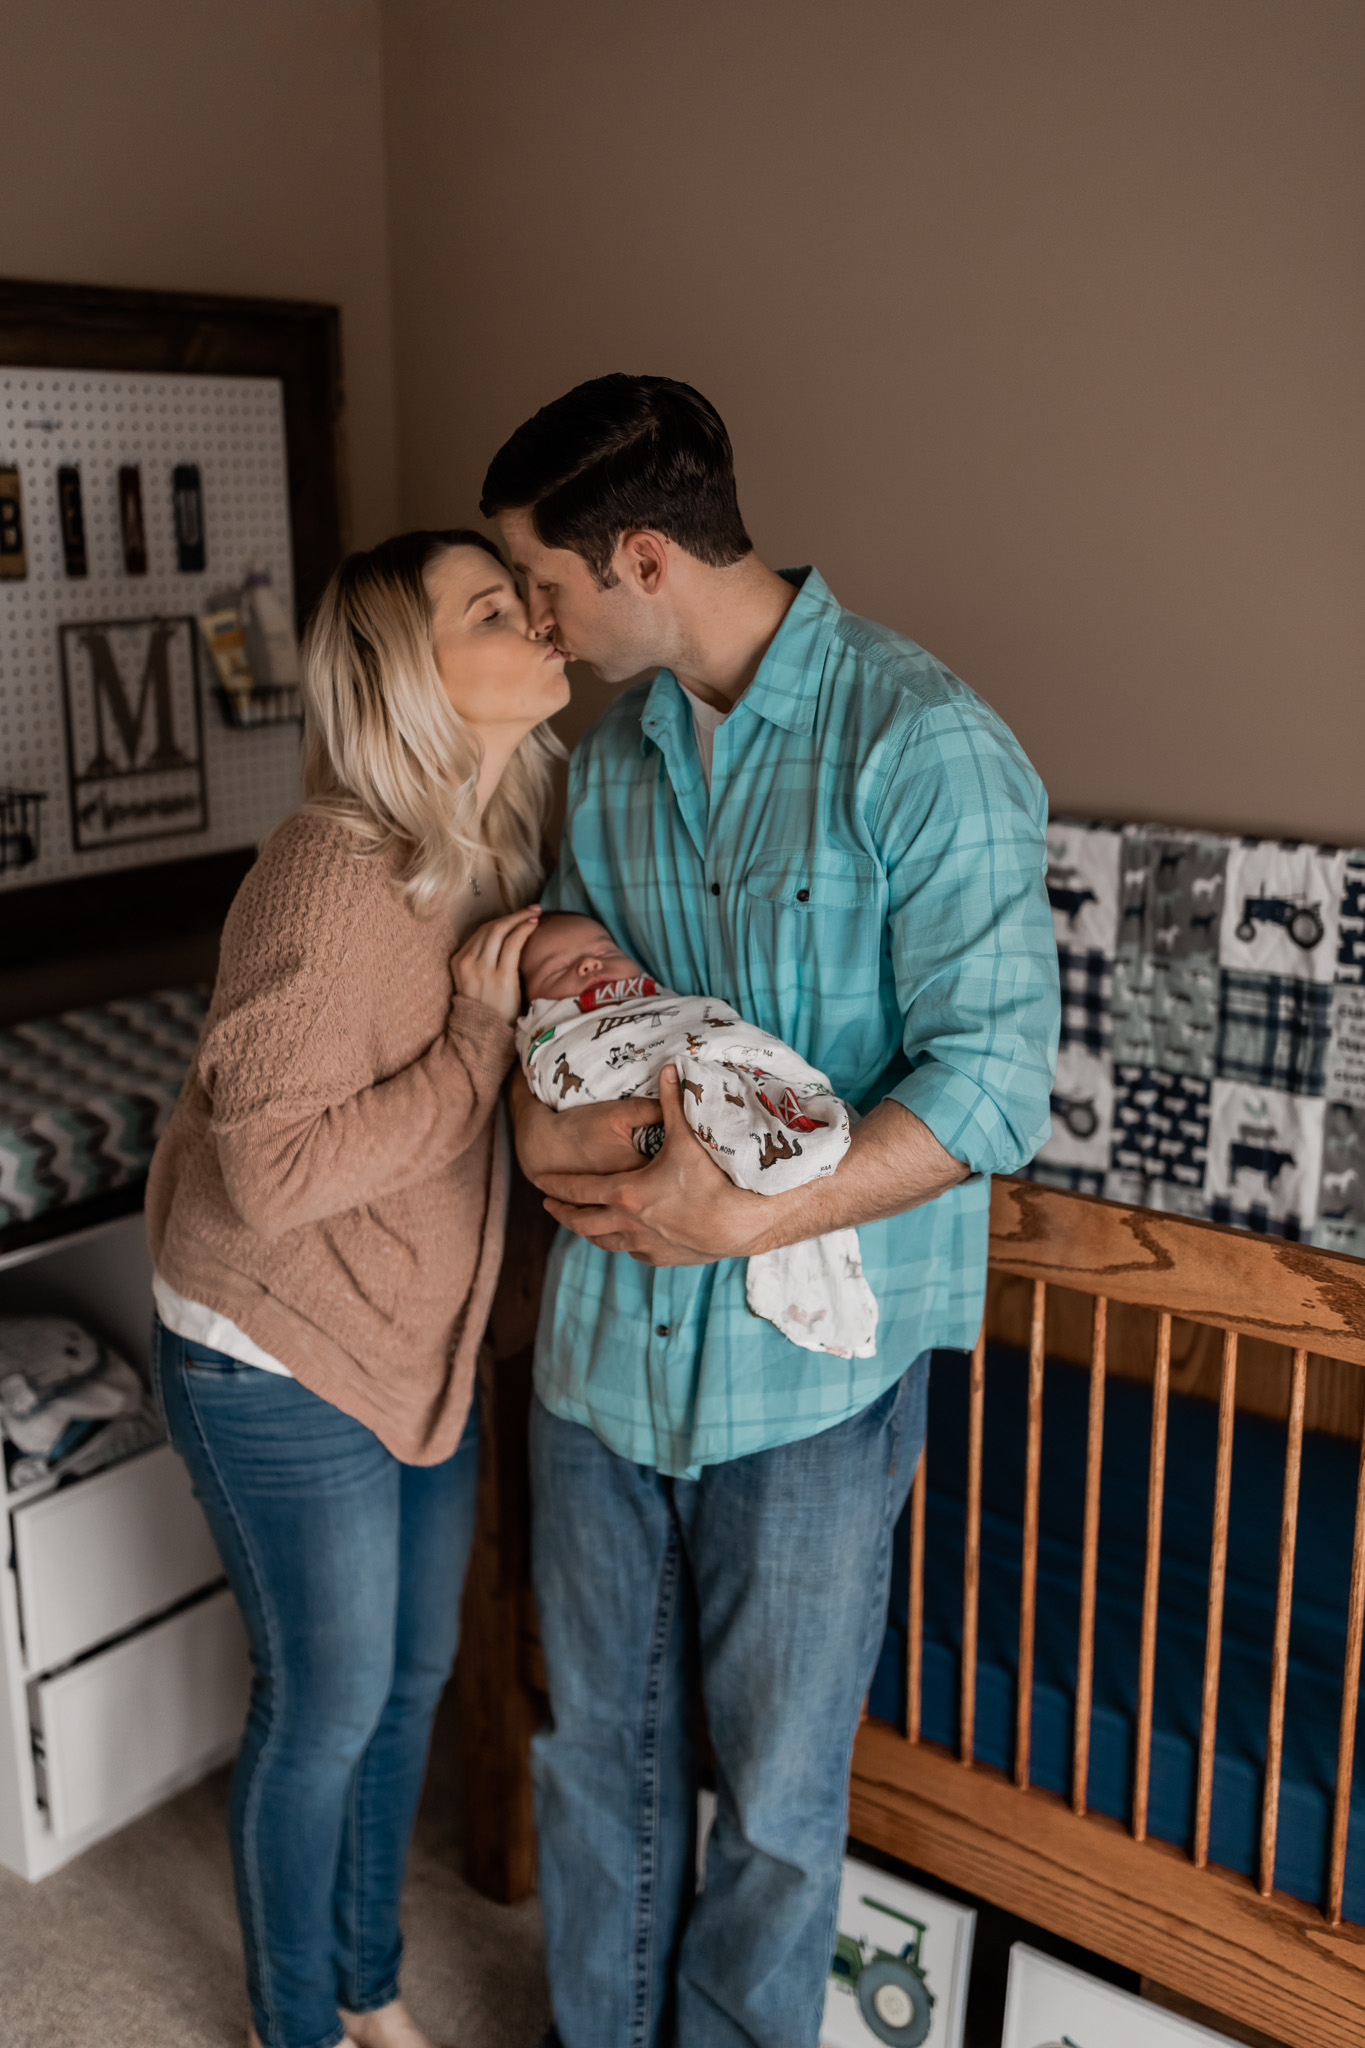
(85, 1096)
(1212, 1054)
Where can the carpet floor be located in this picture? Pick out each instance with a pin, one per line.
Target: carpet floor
(135, 1944)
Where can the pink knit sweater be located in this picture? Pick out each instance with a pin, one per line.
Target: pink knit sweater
(333, 1179)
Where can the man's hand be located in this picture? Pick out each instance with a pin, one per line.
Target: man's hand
(593, 1139)
(680, 1210)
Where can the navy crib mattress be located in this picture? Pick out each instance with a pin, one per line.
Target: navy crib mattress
(1317, 1637)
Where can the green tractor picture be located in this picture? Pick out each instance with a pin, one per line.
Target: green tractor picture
(893, 1997)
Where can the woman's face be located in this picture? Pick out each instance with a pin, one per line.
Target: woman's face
(498, 678)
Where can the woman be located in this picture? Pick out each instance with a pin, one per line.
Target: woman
(325, 1214)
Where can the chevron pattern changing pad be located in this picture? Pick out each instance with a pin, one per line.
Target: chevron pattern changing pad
(85, 1096)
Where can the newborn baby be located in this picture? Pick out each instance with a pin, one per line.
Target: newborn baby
(597, 1029)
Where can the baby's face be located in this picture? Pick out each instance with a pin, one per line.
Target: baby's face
(566, 955)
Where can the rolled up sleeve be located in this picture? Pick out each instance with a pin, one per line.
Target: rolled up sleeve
(962, 830)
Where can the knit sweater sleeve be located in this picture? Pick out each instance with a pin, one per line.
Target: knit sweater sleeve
(303, 1129)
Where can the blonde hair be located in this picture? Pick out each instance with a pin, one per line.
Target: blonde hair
(386, 752)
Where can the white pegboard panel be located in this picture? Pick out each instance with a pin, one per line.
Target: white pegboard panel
(233, 428)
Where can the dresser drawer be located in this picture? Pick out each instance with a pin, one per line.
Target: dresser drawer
(134, 1723)
(96, 1558)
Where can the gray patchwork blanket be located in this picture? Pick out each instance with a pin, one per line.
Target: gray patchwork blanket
(1213, 1027)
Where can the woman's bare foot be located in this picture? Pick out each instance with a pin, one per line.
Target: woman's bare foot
(393, 2026)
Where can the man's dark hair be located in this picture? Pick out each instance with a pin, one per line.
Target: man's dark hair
(622, 452)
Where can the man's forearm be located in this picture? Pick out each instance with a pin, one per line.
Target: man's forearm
(682, 1210)
(893, 1163)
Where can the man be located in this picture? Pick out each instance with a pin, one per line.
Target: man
(806, 815)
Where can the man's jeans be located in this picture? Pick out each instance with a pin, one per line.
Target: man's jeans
(763, 1585)
(348, 1567)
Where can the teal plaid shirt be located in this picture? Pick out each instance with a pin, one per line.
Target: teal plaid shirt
(865, 882)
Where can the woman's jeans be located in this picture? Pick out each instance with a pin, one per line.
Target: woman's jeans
(763, 1586)
(348, 1567)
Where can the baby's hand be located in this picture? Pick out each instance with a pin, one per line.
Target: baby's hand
(487, 967)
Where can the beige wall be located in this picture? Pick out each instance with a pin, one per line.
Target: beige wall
(211, 145)
(1037, 324)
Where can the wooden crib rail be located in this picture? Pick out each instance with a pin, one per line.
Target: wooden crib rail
(1218, 1579)
(1291, 1294)
(1304, 1299)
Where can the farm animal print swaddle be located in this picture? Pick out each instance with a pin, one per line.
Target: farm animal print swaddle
(769, 1120)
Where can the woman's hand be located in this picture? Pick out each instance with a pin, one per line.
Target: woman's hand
(486, 968)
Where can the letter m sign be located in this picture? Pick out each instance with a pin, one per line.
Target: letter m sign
(134, 731)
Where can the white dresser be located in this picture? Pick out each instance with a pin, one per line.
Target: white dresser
(123, 1663)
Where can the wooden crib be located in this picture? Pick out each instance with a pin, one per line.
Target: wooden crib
(1135, 1294)
(1287, 1969)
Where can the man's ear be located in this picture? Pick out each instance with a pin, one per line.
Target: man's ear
(641, 560)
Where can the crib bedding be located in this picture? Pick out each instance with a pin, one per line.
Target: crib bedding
(84, 1097)
(1317, 1637)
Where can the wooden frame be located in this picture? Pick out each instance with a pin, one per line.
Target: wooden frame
(1258, 1956)
(90, 327)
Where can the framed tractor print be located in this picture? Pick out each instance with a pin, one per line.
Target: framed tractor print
(901, 1960)
(901, 1963)
(1050, 2005)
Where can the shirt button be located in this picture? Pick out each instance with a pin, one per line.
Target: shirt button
(715, 888)
(803, 895)
(661, 1329)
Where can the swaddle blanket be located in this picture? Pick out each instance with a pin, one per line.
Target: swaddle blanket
(770, 1121)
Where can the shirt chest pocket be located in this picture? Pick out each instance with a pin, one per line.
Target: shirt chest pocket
(823, 915)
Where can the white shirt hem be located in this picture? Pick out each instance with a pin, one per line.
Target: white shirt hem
(200, 1325)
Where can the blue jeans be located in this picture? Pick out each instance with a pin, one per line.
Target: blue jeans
(348, 1568)
(762, 1587)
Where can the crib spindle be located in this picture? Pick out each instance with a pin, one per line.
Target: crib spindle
(1090, 1550)
(914, 1647)
(1218, 1573)
(971, 1556)
(1156, 1488)
(1350, 1693)
(1284, 1595)
(1028, 1591)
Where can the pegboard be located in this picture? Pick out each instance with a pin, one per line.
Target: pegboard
(233, 429)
